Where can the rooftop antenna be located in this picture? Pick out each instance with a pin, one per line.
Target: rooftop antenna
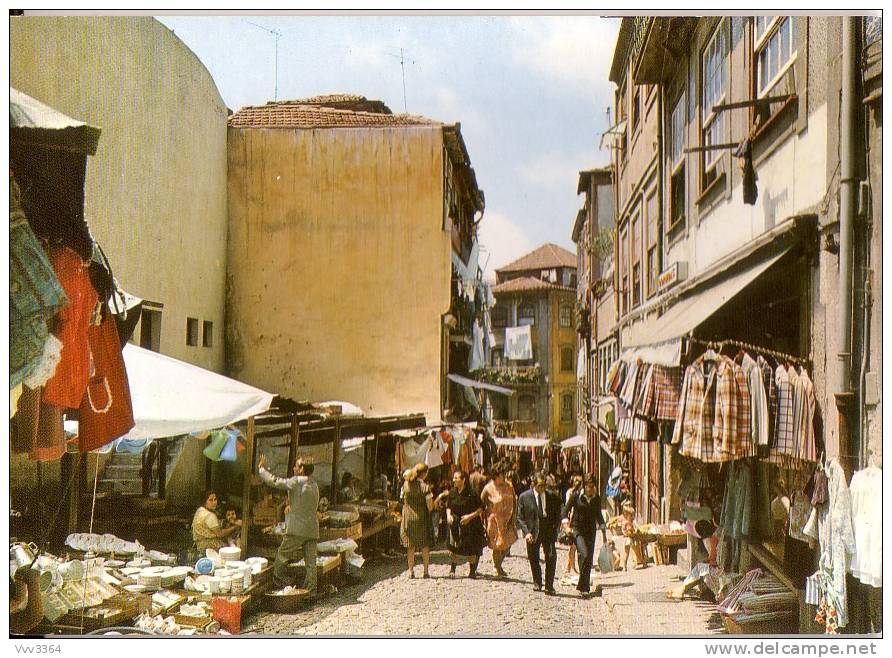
(277, 35)
(403, 60)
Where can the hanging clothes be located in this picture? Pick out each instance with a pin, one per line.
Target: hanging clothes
(434, 456)
(758, 402)
(39, 429)
(476, 360)
(627, 395)
(770, 387)
(807, 450)
(35, 295)
(866, 490)
(66, 388)
(831, 525)
(737, 506)
(414, 453)
(713, 420)
(784, 441)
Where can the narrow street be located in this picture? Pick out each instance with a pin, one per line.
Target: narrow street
(387, 602)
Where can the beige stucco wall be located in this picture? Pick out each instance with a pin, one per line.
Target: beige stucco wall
(339, 265)
(156, 188)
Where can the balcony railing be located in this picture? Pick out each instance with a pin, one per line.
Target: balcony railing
(512, 375)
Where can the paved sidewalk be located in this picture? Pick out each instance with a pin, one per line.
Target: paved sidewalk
(387, 602)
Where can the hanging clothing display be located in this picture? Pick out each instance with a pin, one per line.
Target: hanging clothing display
(414, 453)
(831, 525)
(66, 388)
(435, 452)
(737, 507)
(38, 428)
(518, 343)
(35, 295)
(866, 490)
(758, 401)
(713, 421)
(106, 411)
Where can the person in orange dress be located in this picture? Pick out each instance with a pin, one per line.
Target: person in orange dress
(499, 512)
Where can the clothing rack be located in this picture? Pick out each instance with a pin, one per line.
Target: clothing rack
(718, 345)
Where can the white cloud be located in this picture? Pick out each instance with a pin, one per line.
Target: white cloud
(556, 171)
(573, 51)
(501, 241)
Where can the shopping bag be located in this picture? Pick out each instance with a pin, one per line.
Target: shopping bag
(228, 453)
(605, 559)
(106, 411)
(215, 446)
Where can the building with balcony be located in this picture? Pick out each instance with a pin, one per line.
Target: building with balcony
(535, 297)
(595, 317)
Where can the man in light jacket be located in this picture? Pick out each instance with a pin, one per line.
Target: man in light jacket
(301, 522)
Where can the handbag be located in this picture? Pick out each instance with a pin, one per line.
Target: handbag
(567, 537)
(106, 412)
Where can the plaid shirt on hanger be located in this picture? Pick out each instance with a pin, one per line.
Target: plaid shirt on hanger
(807, 449)
(695, 421)
(784, 442)
(667, 388)
(771, 394)
(644, 403)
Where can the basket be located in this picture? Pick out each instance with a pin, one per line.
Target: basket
(350, 532)
(285, 603)
(780, 626)
(675, 539)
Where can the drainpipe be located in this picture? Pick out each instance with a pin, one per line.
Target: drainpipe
(843, 386)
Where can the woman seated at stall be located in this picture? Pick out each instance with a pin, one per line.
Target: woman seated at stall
(206, 529)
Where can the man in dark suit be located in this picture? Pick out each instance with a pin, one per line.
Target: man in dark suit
(538, 515)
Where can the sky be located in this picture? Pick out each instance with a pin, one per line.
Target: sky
(531, 94)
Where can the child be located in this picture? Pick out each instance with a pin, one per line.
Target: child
(230, 521)
(628, 529)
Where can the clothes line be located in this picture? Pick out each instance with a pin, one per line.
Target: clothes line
(718, 345)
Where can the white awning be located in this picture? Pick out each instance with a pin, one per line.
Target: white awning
(659, 340)
(577, 441)
(520, 442)
(473, 383)
(171, 397)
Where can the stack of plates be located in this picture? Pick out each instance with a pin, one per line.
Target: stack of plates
(230, 553)
(151, 577)
(140, 562)
(174, 575)
(257, 564)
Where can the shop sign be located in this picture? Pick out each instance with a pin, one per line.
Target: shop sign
(675, 273)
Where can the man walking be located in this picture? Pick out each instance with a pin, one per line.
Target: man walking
(538, 516)
(301, 522)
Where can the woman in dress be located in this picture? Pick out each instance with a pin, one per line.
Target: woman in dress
(463, 514)
(416, 530)
(207, 531)
(499, 510)
(575, 487)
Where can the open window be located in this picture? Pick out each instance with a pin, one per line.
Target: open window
(774, 50)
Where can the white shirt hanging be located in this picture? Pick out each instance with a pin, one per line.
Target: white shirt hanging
(867, 518)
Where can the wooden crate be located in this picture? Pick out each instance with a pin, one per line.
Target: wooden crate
(351, 532)
(129, 605)
(783, 626)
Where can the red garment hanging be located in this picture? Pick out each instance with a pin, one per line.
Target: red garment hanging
(38, 428)
(106, 412)
(66, 387)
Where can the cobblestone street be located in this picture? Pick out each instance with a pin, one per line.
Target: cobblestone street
(387, 602)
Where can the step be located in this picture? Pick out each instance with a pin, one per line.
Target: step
(120, 487)
(122, 471)
(123, 459)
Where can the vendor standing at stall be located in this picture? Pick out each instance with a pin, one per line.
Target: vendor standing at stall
(301, 521)
(206, 529)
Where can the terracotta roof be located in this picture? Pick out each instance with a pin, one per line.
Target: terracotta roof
(294, 115)
(548, 255)
(528, 284)
(353, 102)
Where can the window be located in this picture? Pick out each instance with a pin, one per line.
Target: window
(207, 334)
(566, 358)
(714, 74)
(526, 314)
(526, 408)
(775, 39)
(566, 316)
(607, 354)
(636, 109)
(150, 329)
(653, 224)
(192, 331)
(636, 260)
(499, 316)
(624, 271)
(677, 126)
(567, 407)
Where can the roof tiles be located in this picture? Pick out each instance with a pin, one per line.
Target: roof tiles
(548, 255)
(300, 115)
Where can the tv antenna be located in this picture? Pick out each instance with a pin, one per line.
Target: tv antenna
(277, 35)
(403, 59)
